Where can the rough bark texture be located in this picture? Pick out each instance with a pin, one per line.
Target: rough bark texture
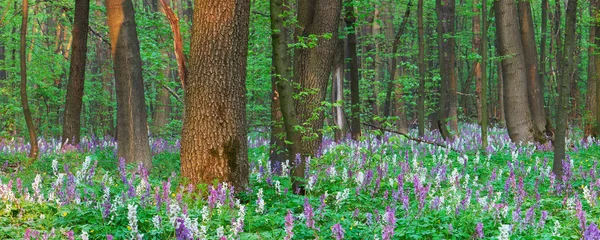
(350, 20)
(71, 124)
(214, 144)
(518, 116)
(3, 75)
(421, 103)
(132, 125)
(277, 144)
(567, 71)
(446, 10)
(477, 68)
(177, 41)
(312, 66)
(282, 65)
(535, 94)
(33, 152)
(597, 67)
(543, 57)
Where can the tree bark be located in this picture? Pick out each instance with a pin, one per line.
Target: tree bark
(71, 123)
(214, 144)
(282, 68)
(590, 105)
(162, 108)
(33, 151)
(478, 70)
(312, 66)
(567, 70)
(337, 92)
(484, 78)
(518, 115)
(132, 125)
(535, 95)
(3, 75)
(421, 103)
(350, 20)
(447, 18)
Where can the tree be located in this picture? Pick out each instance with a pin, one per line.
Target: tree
(449, 100)
(567, 71)
(350, 20)
(132, 126)
(518, 116)
(282, 75)
(421, 104)
(312, 65)
(484, 77)
(72, 125)
(337, 92)
(535, 95)
(214, 138)
(33, 152)
(590, 105)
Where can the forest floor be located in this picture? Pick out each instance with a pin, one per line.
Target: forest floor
(388, 188)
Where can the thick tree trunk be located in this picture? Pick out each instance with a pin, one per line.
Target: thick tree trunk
(132, 125)
(71, 125)
(277, 142)
(518, 115)
(33, 152)
(350, 20)
(421, 103)
(312, 66)
(213, 140)
(447, 19)
(567, 71)
(535, 95)
(442, 113)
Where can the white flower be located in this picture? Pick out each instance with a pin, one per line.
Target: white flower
(504, 232)
(220, 232)
(132, 217)
(205, 214)
(285, 168)
(173, 212)
(341, 197)
(359, 179)
(345, 175)
(278, 187)
(156, 222)
(84, 235)
(260, 208)
(556, 230)
(55, 167)
(588, 196)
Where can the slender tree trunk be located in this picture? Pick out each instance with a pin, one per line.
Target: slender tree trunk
(379, 68)
(518, 116)
(282, 68)
(162, 109)
(33, 152)
(213, 139)
(350, 20)
(337, 92)
(71, 124)
(543, 55)
(501, 115)
(592, 78)
(597, 67)
(132, 125)
(393, 65)
(535, 95)
(421, 103)
(567, 71)
(312, 66)
(478, 70)
(442, 54)
(400, 109)
(3, 75)
(484, 78)
(277, 143)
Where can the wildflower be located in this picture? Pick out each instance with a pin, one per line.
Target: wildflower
(181, 231)
(289, 225)
(220, 232)
(504, 232)
(84, 235)
(308, 214)
(479, 230)
(260, 202)
(278, 187)
(341, 196)
(591, 232)
(556, 230)
(390, 219)
(109, 237)
(543, 218)
(156, 221)
(132, 217)
(238, 224)
(337, 231)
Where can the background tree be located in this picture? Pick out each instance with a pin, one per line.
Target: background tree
(132, 125)
(33, 152)
(214, 138)
(73, 102)
(567, 71)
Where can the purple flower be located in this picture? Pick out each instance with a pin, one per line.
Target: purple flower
(289, 225)
(591, 232)
(109, 237)
(337, 231)
(479, 230)
(308, 214)
(390, 219)
(181, 231)
(580, 214)
(543, 219)
(70, 235)
(123, 170)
